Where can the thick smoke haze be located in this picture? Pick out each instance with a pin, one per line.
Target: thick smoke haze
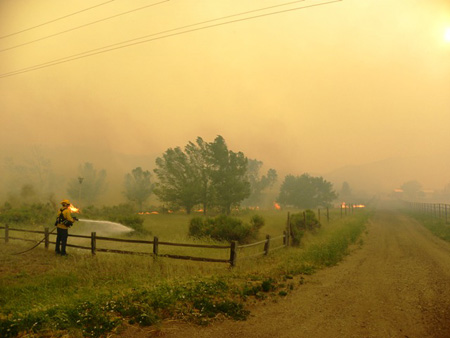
(351, 90)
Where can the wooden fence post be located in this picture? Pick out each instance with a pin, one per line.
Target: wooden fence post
(318, 214)
(288, 230)
(93, 242)
(284, 238)
(267, 245)
(233, 253)
(46, 240)
(6, 233)
(155, 247)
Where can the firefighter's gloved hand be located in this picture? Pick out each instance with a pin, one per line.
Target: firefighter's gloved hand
(76, 219)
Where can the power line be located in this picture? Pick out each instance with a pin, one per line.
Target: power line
(78, 27)
(51, 21)
(170, 30)
(108, 48)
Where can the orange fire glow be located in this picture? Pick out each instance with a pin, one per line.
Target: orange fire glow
(74, 209)
(277, 206)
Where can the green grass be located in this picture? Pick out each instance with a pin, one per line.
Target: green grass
(437, 226)
(84, 295)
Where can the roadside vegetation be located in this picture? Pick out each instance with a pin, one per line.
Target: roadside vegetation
(437, 226)
(91, 296)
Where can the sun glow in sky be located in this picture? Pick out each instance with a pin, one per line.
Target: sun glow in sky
(447, 34)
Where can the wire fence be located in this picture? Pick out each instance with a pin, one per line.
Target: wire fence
(437, 210)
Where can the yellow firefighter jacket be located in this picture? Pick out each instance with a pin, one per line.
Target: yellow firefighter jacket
(67, 215)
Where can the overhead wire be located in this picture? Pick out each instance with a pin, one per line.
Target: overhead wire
(128, 44)
(82, 26)
(57, 19)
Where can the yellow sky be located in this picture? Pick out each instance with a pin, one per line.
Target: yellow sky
(308, 90)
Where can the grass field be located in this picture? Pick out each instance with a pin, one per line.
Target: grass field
(438, 226)
(84, 295)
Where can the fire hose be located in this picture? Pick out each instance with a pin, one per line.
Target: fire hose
(43, 239)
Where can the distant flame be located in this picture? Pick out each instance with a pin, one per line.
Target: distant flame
(74, 209)
(277, 206)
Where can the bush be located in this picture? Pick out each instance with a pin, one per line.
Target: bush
(33, 214)
(257, 222)
(134, 222)
(301, 222)
(225, 228)
(125, 214)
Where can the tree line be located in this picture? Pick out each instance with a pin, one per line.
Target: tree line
(203, 175)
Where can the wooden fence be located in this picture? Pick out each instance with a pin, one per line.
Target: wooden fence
(268, 244)
(233, 247)
(438, 210)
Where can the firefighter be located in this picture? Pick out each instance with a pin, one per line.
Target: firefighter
(63, 222)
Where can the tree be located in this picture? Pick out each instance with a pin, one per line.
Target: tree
(138, 186)
(258, 183)
(204, 173)
(179, 183)
(346, 192)
(89, 184)
(228, 176)
(306, 191)
(199, 154)
(36, 171)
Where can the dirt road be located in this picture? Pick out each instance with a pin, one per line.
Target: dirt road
(397, 285)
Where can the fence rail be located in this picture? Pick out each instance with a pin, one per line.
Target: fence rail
(438, 210)
(232, 247)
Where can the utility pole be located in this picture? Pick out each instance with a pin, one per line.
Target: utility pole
(80, 180)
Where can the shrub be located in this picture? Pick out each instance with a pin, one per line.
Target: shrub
(225, 228)
(257, 222)
(125, 214)
(301, 222)
(132, 221)
(32, 214)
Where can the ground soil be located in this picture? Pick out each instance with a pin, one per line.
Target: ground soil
(396, 285)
